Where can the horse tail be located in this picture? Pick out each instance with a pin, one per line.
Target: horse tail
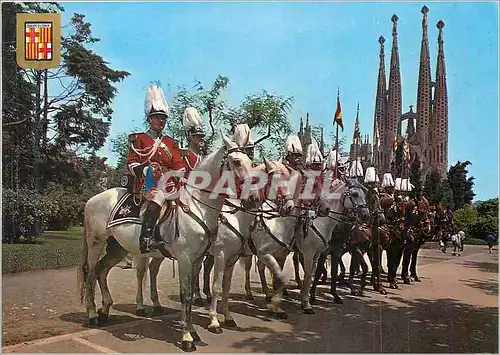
(82, 272)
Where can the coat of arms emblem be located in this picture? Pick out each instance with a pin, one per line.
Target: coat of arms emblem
(38, 40)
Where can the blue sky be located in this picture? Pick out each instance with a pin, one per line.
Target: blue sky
(307, 50)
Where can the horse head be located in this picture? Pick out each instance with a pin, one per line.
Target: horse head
(354, 200)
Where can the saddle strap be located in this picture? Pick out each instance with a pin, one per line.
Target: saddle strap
(321, 236)
(268, 231)
(185, 208)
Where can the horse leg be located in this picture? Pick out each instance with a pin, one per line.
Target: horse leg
(310, 266)
(261, 267)
(370, 254)
(376, 262)
(317, 275)
(93, 255)
(352, 269)
(197, 299)
(364, 271)
(219, 266)
(406, 263)
(114, 254)
(208, 264)
(186, 283)
(413, 265)
(391, 266)
(141, 264)
(295, 260)
(195, 272)
(275, 299)
(382, 271)
(154, 269)
(247, 262)
(226, 287)
(336, 260)
(341, 277)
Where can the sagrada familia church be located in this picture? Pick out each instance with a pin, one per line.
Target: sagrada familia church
(426, 128)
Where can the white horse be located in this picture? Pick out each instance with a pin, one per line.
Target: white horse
(314, 236)
(231, 240)
(187, 233)
(457, 241)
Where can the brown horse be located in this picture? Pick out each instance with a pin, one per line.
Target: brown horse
(422, 227)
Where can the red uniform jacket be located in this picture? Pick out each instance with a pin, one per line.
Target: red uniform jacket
(190, 161)
(167, 155)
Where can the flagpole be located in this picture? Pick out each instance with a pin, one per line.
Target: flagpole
(336, 150)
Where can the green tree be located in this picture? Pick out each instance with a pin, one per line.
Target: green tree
(465, 218)
(437, 190)
(416, 177)
(487, 220)
(462, 186)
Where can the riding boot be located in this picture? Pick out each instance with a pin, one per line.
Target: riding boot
(146, 244)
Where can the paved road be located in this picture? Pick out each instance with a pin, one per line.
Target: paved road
(453, 309)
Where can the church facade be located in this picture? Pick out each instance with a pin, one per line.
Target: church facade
(427, 126)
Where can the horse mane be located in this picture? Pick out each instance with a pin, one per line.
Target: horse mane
(208, 161)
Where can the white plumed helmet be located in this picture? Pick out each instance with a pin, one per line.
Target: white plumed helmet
(155, 102)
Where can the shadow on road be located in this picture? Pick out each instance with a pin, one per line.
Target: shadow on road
(489, 287)
(482, 266)
(421, 325)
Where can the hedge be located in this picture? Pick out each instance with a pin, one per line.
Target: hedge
(53, 250)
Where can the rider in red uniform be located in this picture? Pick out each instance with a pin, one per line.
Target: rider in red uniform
(152, 154)
(193, 125)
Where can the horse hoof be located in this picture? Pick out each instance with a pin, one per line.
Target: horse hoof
(281, 315)
(268, 299)
(285, 293)
(308, 311)
(382, 291)
(102, 319)
(196, 337)
(355, 293)
(140, 312)
(188, 346)
(230, 323)
(158, 310)
(215, 330)
(199, 302)
(312, 301)
(406, 281)
(94, 322)
(416, 279)
(249, 297)
(337, 299)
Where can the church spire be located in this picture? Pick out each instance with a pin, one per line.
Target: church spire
(424, 92)
(394, 101)
(440, 109)
(380, 101)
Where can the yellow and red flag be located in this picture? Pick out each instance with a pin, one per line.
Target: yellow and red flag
(338, 113)
(395, 143)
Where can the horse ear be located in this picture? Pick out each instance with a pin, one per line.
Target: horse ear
(269, 165)
(228, 142)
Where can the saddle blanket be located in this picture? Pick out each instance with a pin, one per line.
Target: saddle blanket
(127, 210)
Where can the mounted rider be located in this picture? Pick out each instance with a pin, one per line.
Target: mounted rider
(314, 161)
(150, 156)
(193, 126)
(293, 153)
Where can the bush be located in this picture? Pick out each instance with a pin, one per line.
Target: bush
(20, 212)
(63, 208)
(474, 241)
(465, 218)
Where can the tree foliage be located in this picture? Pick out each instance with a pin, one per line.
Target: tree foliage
(416, 177)
(437, 190)
(54, 121)
(463, 193)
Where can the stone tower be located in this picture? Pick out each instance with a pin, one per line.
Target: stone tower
(394, 101)
(439, 123)
(380, 106)
(427, 128)
(424, 92)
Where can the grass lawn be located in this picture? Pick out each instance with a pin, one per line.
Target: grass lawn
(53, 250)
